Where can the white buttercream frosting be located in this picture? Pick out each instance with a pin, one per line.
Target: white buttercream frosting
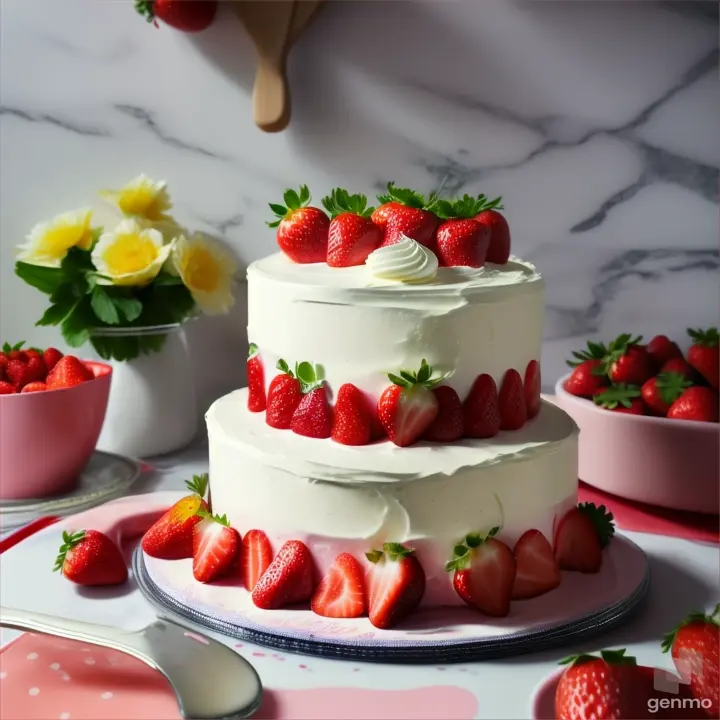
(406, 261)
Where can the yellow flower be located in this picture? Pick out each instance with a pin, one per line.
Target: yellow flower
(130, 255)
(207, 269)
(48, 243)
(142, 198)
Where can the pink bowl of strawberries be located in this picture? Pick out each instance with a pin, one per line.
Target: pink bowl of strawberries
(52, 408)
(648, 418)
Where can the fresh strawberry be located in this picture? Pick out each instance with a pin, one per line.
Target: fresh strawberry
(620, 398)
(449, 423)
(532, 387)
(215, 547)
(7, 388)
(696, 403)
(288, 580)
(580, 537)
(460, 240)
(480, 409)
(704, 355)
(537, 568)
(407, 408)
(284, 396)
(14, 352)
(681, 367)
(89, 557)
(695, 646)
(256, 557)
(661, 349)
(395, 584)
(313, 416)
(499, 249)
(36, 370)
(36, 386)
(51, 356)
(68, 372)
(4, 360)
(661, 391)
(407, 213)
(171, 537)
(186, 15)
(17, 372)
(302, 230)
(588, 373)
(597, 688)
(353, 417)
(352, 235)
(511, 402)
(256, 380)
(484, 570)
(341, 593)
(627, 361)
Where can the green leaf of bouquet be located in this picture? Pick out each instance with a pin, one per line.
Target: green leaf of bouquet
(76, 263)
(76, 327)
(166, 278)
(56, 313)
(44, 279)
(130, 308)
(103, 306)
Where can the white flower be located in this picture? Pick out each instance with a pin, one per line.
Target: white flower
(130, 255)
(48, 243)
(207, 269)
(142, 198)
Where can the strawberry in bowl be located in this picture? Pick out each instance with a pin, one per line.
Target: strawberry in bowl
(52, 402)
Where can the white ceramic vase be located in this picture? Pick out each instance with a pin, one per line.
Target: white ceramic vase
(152, 408)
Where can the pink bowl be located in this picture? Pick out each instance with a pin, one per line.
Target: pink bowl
(47, 438)
(670, 463)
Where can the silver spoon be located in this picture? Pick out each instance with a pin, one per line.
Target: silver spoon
(210, 681)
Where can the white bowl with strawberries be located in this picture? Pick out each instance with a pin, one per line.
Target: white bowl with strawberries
(648, 417)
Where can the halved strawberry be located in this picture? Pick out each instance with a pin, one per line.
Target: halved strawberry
(256, 555)
(511, 402)
(341, 593)
(171, 537)
(284, 396)
(215, 547)
(256, 380)
(532, 387)
(484, 570)
(353, 417)
(352, 235)
(580, 537)
(407, 213)
(408, 406)
(395, 584)
(313, 415)
(449, 423)
(537, 568)
(288, 580)
(480, 409)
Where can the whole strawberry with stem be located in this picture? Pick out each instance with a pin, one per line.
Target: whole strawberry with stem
(661, 391)
(352, 235)
(620, 398)
(408, 407)
(682, 367)
(186, 15)
(313, 416)
(696, 403)
(460, 239)
(490, 217)
(627, 361)
(588, 373)
(580, 537)
(406, 213)
(302, 230)
(89, 557)
(283, 397)
(704, 355)
(695, 648)
(257, 401)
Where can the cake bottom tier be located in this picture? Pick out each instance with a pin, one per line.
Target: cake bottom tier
(353, 499)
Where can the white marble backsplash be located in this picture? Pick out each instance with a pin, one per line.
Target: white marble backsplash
(596, 121)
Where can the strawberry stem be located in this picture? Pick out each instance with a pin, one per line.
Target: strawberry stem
(70, 540)
(611, 657)
(220, 519)
(146, 9)
(253, 351)
(707, 338)
(423, 376)
(595, 351)
(407, 197)
(463, 551)
(394, 552)
(340, 201)
(294, 200)
(619, 394)
(602, 519)
(198, 485)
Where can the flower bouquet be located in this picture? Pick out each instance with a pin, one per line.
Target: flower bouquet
(106, 284)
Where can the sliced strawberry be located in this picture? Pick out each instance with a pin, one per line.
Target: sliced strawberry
(661, 349)
(704, 355)
(313, 415)
(284, 396)
(51, 356)
(353, 417)
(449, 422)
(68, 372)
(288, 580)
(532, 387)
(256, 380)
(215, 547)
(511, 402)
(484, 570)
(395, 584)
(256, 557)
(89, 557)
(580, 537)
(341, 593)
(537, 568)
(480, 409)
(406, 213)
(34, 387)
(352, 235)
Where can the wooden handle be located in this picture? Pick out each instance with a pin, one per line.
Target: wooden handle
(271, 106)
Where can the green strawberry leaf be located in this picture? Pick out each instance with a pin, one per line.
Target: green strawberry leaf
(602, 519)
(46, 280)
(103, 306)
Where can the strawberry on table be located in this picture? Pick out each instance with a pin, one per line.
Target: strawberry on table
(186, 15)
(628, 361)
(580, 537)
(341, 593)
(89, 557)
(302, 230)
(352, 235)
(499, 249)
(405, 212)
(313, 415)
(353, 417)
(256, 557)
(511, 402)
(449, 422)
(661, 391)
(51, 356)
(696, 403)
(288, 580)
(532, 386)
(484, 571)
(480, 409)
(461, 240)
(407, 408)
(695, 647)
(537, 568)
(256, 380)
(661, 349)
(395, 584)
(68, 372)
(283, 397)
(680, 366)
(704, 355)
(171, 537)
(215, 547)
(620, 398)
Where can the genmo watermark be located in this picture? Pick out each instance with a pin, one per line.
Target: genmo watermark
(669, 684)
(678, 703)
